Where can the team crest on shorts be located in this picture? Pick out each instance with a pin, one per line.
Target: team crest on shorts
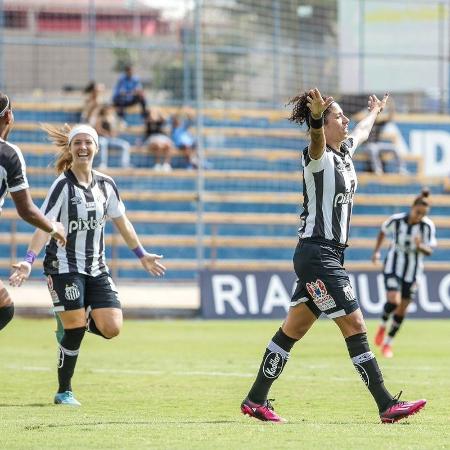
(318, 291)
(349, 294)
(72, 292)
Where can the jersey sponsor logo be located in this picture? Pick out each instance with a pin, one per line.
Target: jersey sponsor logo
(343, 198)
(349, 294)
(318, 292)
(90, 205)
(72, 292)
(86, 225)
(273, 365)
(76, 200)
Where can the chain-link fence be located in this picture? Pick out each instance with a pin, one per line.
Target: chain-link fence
(252, 52)
(236, 63)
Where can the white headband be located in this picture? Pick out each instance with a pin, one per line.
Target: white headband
(87, 129)
(2, 113)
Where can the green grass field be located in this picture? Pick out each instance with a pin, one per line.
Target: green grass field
(178, 385)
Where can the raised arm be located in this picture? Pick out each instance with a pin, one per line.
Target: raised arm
(362, 130)
(149, 261)
(317, 106)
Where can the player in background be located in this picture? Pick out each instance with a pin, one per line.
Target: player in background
(323, 287)
(84, 295)
(413, 236)
(13, 179)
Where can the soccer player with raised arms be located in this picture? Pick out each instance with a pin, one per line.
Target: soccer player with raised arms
(323, 287)
(77, 275)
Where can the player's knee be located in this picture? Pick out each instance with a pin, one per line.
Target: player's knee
(6, 315)
(5, 299)
(111, 330)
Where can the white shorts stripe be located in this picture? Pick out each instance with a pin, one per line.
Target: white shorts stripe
(339, 313)
(300, 300)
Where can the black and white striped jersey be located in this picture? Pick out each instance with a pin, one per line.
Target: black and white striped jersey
(12, 170)
(329, 184)
(403, 259)
(83, 211)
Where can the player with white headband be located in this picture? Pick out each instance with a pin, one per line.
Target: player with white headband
(84, 295)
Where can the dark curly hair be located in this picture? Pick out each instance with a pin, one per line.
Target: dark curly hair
(422, 199)
(300, 112)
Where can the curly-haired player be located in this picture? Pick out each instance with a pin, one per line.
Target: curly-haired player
(323, 287)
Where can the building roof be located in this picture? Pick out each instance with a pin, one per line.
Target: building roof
(79, 5)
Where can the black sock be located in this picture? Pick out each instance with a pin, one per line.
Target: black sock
(388, 308)
(92, 328)
(396, 323)
(366, 365)
(6, 315)
(273, 362)
(68, 354)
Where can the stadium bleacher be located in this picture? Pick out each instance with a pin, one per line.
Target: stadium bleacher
(251, 202)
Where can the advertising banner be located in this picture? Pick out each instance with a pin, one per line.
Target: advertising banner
(234, 295)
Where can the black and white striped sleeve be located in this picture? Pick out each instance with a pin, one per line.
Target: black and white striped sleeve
(14, 165)
(56, 195)
(115, 207)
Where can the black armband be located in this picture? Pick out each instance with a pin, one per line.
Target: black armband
(315, 123)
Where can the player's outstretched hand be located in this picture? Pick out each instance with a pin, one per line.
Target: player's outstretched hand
(318, 104)
(151, 264)
(376, 257)
(375, 102)
(21, 273)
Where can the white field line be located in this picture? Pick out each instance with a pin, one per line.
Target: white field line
(200, 373)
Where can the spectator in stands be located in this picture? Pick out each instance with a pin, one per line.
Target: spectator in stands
(157, 141)
(83, 293)
(413, 236)
(13, 179)
(108, 127)
(323, 286)
(182, 137)
(383, 140)
(92, 103)
(128, 92)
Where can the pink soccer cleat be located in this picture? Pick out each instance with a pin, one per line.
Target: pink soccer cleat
(401, 410)
(387, 352)
(262, 412)
(380, 335)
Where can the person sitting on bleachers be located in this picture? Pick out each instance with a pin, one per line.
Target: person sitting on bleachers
(382, 140)
(108, 126)
(182, 137)
(157, 141)
(92, 102)
(128, 92)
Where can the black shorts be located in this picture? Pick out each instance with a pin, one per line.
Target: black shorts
(394, 283)
(323, 284)
(70, 291)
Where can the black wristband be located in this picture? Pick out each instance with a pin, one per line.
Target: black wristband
(315, 123)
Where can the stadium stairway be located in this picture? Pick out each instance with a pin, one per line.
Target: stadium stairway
(251, 202)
